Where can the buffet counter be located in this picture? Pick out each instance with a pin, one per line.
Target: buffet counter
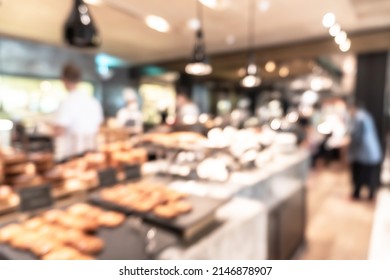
(280, 187)
(265, 207)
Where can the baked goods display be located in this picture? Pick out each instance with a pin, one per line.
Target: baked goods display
(119, 153)
(62, 234)
(148, 198)
(174, 139)
(8, 197)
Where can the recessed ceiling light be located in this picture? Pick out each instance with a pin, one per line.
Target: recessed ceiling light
(193, 24)
(215, 4)
(270, 66)
(344, 47)
(94, 2)
(264, 5)
(328, 20)
(230, 39)
(340, 38)
(284, 71)
(334, 30)
(157, 23)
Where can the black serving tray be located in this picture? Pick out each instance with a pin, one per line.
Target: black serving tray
(187, 225)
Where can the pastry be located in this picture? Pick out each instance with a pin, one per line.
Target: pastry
(10, 231)
(33, 224)
(52, 216)
(88, 245)
(111, 219)
(77, 222)
(44, 246)
(165, 212)
(24, 241)
(66, 253)
(5, 194)
(181, 206)
(14, 158)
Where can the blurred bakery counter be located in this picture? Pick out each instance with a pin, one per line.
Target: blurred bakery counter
(117, 237)
(280, 186)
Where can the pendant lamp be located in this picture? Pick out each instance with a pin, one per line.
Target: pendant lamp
(199, 65)
(252, 78)
(80, 31)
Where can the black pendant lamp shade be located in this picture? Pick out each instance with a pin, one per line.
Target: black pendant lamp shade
(80, 30)
(252, 77)
(199, 65)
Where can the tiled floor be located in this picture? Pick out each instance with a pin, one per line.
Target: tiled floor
(338, 228)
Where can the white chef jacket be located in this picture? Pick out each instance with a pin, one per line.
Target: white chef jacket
(80, 115)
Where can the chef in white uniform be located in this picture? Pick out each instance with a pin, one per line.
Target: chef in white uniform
(130, 116)
(78, 118)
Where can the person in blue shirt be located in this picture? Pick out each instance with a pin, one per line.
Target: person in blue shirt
(365, 152)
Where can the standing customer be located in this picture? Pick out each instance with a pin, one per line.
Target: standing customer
(365, 152)
(78, 118)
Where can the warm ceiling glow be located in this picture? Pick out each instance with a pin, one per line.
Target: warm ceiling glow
(157, 23)
(215, 4)
(328, 20)
(334, 30)
(193, 24)
(94, 2)
(264, 5)
(270, 66)
(284, 71)
(345, 46)
(340, 38)
(230, 39)
(241, 72)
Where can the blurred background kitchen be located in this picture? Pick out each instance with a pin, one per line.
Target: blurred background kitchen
(282, 103)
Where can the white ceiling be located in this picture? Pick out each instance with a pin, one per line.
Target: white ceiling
(129, 38)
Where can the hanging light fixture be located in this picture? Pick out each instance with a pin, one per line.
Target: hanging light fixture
(199, 65)
(80, 30)
(251, 79)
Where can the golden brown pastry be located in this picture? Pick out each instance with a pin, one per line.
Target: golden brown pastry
(52, 216)
(5, 193)
(24, 241)
(66, 253)
(14, 158)
(44, 246)
(33, 224)
(10, 231)
(165, 212)
(181, 206)
(111, 219)
(77, 222)
(89, 245)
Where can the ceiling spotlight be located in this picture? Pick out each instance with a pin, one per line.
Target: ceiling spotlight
(80, 30)
(230, 39)
(94, 2)
(334, 30)
(328, 20)
(251, 79)
(270, 66)
(284, 71)
(193, 24)
(199, 66)
(157, 23)
(345, 46)
(215, 4)
(340, 38)
(264, 5)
